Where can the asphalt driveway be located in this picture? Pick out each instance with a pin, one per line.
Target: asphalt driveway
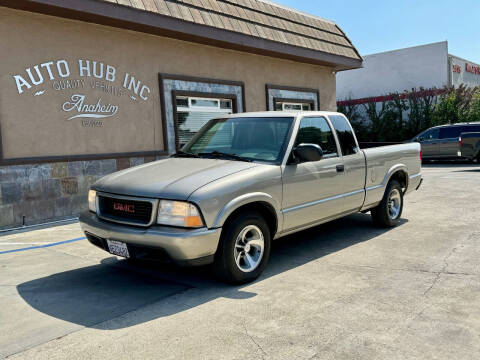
(344, 290)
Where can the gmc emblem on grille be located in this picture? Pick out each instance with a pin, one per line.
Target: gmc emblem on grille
(124, 207)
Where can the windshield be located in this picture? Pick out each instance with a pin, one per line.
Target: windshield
(254, 139)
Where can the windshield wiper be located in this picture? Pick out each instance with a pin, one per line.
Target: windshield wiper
(219, 154)
(181, 153)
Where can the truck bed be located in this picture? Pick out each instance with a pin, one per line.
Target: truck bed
(382, 161)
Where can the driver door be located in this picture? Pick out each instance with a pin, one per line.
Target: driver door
(312, 190)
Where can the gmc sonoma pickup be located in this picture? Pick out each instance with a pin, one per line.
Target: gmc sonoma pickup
(243, 181)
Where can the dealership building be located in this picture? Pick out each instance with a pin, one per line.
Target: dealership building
(89, 87)
(428, 66)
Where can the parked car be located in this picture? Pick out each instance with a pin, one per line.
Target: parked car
(243, 181)
(442, 142)
(469, 146)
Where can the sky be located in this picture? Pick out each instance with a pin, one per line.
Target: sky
(382, 25)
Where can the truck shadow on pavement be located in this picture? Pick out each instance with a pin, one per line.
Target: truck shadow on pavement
(448, 164)
(97, 296)
(468, 170)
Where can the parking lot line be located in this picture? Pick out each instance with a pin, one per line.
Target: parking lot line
(21, 243)
(43, 246)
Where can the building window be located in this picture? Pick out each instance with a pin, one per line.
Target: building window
(292, 105)
(192, 112)
(288, 98)
(212, 97)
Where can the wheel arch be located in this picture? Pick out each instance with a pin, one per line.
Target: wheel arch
(402, 177)
(398, 172)
(260, 202)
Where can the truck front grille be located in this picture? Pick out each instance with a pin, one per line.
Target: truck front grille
(125, 210)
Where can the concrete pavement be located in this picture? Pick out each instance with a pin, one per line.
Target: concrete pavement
(345, 290)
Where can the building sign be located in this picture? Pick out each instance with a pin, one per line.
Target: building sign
(81, 76)
(78, 106)
(463, 72)
(72, 90)
(473, 69)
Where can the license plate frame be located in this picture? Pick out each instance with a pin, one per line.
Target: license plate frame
(118, 248)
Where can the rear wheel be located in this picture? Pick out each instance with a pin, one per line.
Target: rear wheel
(244, 249)
(389, 211)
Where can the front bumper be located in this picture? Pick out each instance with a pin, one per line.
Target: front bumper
(184, 246)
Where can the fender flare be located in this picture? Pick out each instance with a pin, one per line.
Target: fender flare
(246, 199)
(394, 169)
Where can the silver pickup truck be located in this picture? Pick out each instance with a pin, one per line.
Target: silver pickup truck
(243, 181)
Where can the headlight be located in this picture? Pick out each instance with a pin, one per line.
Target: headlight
(178, 213)
(92, 200)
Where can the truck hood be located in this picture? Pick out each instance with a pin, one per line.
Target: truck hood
(172, 178)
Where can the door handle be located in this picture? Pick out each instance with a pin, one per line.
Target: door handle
(340, 168)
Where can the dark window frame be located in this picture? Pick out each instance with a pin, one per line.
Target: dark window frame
(199, 94)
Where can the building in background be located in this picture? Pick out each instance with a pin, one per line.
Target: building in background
(427, 66)
(89, 87)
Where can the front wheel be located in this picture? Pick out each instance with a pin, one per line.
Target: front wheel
(244, 249)
(389, 211)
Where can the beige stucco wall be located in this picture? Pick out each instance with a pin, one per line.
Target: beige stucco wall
(35, 125)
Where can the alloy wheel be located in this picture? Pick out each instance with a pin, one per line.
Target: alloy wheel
(249, 248)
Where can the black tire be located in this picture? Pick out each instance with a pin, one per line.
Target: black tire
(382, 214)
(226, 268)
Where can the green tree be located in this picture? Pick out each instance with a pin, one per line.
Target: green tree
(409, 113)
(474, 111)
(455, 105)
(422, 105)
(350, 110)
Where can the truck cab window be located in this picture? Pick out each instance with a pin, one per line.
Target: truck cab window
(345, 135)
(315, 130)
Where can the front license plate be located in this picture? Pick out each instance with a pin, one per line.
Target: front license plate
(118, 248)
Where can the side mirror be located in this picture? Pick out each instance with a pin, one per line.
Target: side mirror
(420, 139)
(307, 153)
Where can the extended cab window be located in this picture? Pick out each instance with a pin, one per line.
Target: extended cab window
(345, 135)
(315, 130)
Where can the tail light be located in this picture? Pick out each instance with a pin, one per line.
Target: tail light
(460, 142)
(420, 154)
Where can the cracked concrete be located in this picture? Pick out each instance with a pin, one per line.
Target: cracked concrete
(345, 290)
(259, 347)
